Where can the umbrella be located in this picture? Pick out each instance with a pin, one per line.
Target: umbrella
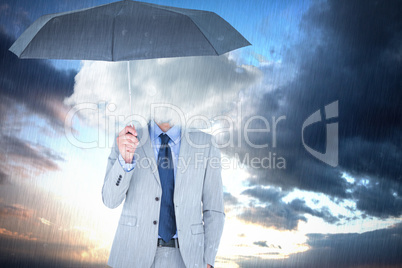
(128, 30)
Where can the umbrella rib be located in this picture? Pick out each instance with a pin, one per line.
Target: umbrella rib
(203, 35)
(46, 19)
(166, 8)
(113, 30)
(129, 86)
(112, 49)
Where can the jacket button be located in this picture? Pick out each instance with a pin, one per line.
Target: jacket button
(156, 198)
(155, 222)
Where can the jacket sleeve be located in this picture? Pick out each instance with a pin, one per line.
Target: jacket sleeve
(116, 181)
(213, 207)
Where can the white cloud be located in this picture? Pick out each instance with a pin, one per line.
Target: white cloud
(197, 85)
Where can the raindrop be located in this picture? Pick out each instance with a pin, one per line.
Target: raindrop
(239, 70)
(152, 91)
(56, 21)
(111, 107)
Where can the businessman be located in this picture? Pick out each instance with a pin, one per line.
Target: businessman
(170, 181)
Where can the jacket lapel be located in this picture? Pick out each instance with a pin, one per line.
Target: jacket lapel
(146, 146)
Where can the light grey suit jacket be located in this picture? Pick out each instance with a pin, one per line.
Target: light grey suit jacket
(198, 201)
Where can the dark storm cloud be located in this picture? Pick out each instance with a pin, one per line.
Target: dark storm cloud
(378, 198)
(3, 177)
(350, 53)
(269, 195)
(261, 243)
(41, 89)
(21, 156)
(28, 154)
(31, 252)
(278, 214)
(264, 244)
(364, 29)
(376, 248)
(15, 210)
(379, 248)
(358, 62)
(300, 206)
(13, 262)
(229, 199)
(33, 83)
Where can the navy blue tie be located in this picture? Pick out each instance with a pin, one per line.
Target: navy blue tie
(167, 220)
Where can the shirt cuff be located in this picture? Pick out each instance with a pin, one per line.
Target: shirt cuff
(126, 166)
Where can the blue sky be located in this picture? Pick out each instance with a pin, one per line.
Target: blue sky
(304, 56)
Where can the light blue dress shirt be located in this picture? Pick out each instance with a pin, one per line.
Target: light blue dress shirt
(174, 134)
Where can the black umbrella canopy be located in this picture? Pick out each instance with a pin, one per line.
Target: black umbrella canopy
(128, 30)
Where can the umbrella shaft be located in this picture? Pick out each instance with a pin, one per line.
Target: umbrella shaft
(129, 86)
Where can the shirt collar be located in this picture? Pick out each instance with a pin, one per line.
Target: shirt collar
(173, 133)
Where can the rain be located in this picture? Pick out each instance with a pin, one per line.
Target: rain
(307, 119)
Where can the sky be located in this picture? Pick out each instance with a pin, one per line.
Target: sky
(307, 119)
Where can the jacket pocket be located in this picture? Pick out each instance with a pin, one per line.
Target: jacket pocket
(128, 220)
(197, 228)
